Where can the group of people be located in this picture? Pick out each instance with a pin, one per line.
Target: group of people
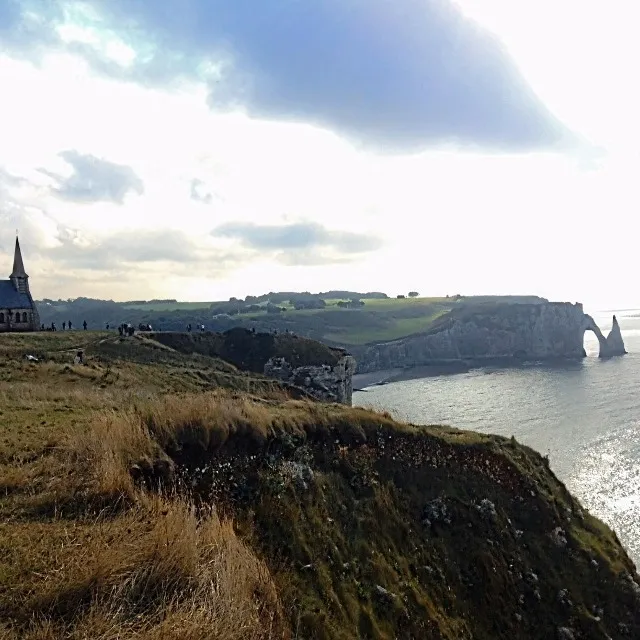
(65, 326)
(123, 328)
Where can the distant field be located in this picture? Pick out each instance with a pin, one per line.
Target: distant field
(403, 302)
(397, 328)
(377, 320)
(188, 306)
(168, 306)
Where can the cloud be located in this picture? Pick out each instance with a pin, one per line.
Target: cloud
(137, 254)
(132, 246)
(95, 180)
(303, 243)
(199, 192)
(18, 212)
(8, 180)
(396, 75)
(61, 258)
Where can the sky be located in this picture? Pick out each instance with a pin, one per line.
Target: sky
(203, 149)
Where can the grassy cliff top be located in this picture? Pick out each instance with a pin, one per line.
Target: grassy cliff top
(251, 350)
(347, 325)
(136, 502)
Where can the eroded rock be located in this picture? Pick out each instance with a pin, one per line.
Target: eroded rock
(614, 342)
(329, 383)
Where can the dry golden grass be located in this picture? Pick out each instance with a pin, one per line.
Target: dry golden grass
(204, 422)
(212, 418)
(107, 450)
(152, 568)
(158, 571)
(86, 551)
(72, 565)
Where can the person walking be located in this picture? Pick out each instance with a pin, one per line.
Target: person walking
(84, 324)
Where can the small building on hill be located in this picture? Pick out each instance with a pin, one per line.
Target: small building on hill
(18, 311)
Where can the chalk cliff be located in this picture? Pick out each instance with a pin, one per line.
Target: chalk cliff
(323, 372)
(481, 333)
(615, 343)
(329, 383)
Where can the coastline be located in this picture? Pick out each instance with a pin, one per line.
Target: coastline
(385, 376)
(363, 380)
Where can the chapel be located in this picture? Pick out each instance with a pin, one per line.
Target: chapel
(18, 311)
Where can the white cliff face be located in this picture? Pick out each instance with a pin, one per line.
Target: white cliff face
(324, 382)
(615, 343)
(504, 331)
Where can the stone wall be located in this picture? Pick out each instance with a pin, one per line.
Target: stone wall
(329, 383)
(496, 332)
(13, 320)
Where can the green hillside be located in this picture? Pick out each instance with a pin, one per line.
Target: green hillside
(339, 318)
(155, 494)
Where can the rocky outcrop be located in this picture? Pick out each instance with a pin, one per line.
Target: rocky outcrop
(476, 335)
(614, 343)
(329, 383)
(323, 372)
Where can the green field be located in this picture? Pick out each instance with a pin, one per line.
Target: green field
(377, 320)
(168, 306)
(400, 303)
(396, 328)
(388, 303)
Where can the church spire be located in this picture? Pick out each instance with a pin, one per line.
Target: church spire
(18, 265)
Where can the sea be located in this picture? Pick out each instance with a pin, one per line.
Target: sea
(584, 415)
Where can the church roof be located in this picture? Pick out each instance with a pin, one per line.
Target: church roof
(18, 265)
(12, 299)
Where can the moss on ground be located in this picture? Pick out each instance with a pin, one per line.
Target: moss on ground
(155, 494)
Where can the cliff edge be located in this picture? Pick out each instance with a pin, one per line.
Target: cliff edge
(479, 334)
(375, 529)
(138, 501)
(323, 372)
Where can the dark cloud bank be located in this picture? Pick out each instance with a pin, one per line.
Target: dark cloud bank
(394, 74)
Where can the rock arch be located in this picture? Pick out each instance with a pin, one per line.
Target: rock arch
(613, 344)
